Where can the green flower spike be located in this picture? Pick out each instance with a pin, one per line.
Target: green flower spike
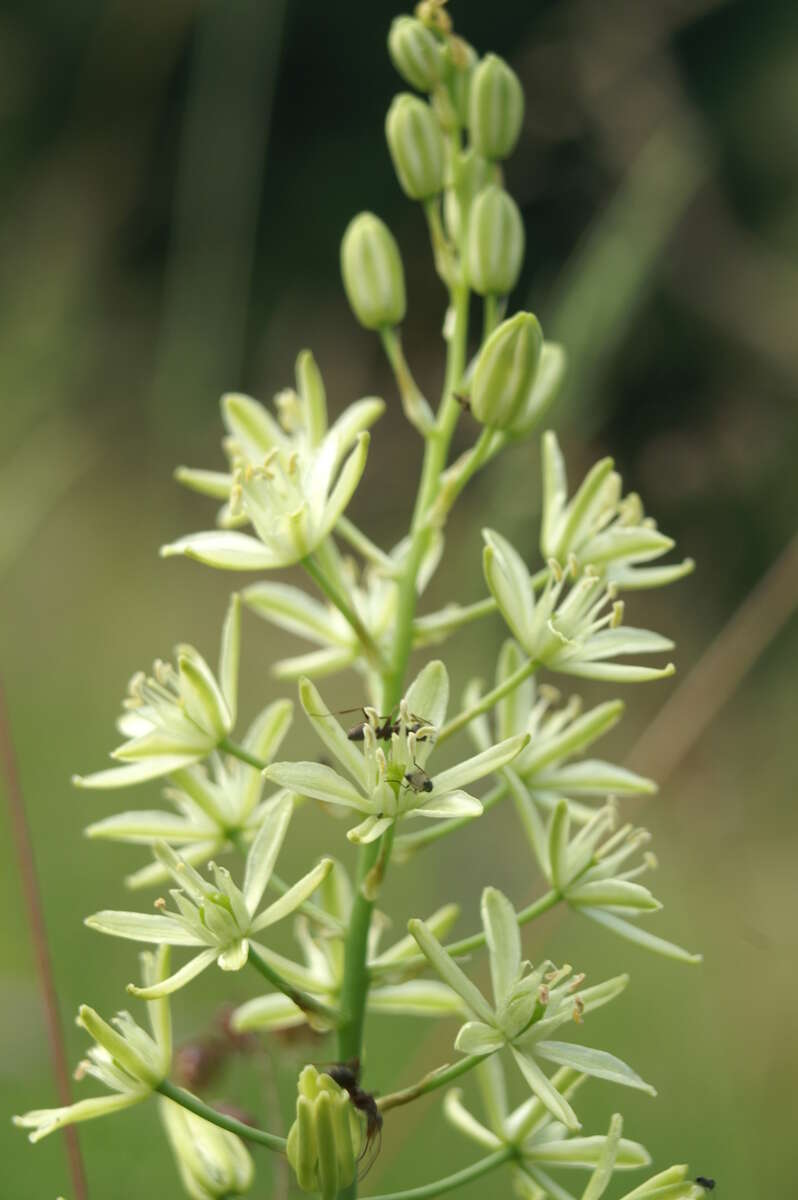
(528, 1006)
(416, 53)
(301, 427)
(587, 871)
(386, 784)
(322, 973)
(213, 1163)
(601, 528)
(505, 370)
(177, 716)
(372, 273)
(217, 804)
(496, 108)
(416, 145)
(218, 917)
(567, 628)
(324, 1141)
(541, 1141)
(127, 1060)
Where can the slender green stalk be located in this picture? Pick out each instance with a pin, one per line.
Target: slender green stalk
(430, 1083)
(458, 1179)
(355, 982)
(326, 585)
(359, 541)
(487, 701)
(414, 404)
(194, 1104)
(231, 747)
(302, 999)
(492, 313)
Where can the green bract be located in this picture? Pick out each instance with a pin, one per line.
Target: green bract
(495, 243)
(496, 108)
(371, 268)
(505, 371)
(416, 145)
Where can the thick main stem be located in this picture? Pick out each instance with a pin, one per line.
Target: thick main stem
(354, 989)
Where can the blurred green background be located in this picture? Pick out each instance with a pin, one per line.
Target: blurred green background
(175, 181)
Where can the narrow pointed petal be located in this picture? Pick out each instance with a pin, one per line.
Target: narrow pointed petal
(555, 490)
(588, 1152)
(230, 655)
(226, 549)
(576, 736)
(344, 489)
(328, 730)
(352, 421)
(477, 1038)
(451, 804)
(449, 971)
(194, 967)
(600, 1179)
(43, 1121)
(480, 765)
(142, 927)
(251, 425)
(274, 1011)
(416, 998)
(613, 893)
(559, 834)
(512, 711)
(295, 896)
(610, 643)
(265, 735)
(508, 580)
(215, 484)
(234, 957)
(369, 830)
(318, 664)
(458, 1115)
(545, 1090)
(593, 777)
(293, 610)
(264, 850)
(617, 672)
(428, 695)
(319, 782)
(598, 1063)
(141, 828)
(503, 938)
(137, 772)
(642, 937)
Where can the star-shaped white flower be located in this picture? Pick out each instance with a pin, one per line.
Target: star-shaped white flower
(218, 917)
(391, 782)
(177, 716)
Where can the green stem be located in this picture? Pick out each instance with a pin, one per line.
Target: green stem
(442, 249)
(487, 701)
(194, 1104)
(492, 313)
(326, 585)
(459, 1179)
(364, 545)
(415, 406)
(354, 987)
(303, 1000)
(237, 751)
(430, 1082)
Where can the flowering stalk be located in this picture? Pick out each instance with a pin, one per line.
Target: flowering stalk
(290, 476)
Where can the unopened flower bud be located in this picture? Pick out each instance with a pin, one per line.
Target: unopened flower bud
(212, 1162)
(416, 145)
(461, 59)
(470, 174)
(324, 1140)
(495, 250)
(372, 272)
(505, 369)
(416, 53)
(496, 108)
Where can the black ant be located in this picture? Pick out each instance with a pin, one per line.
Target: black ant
(418, 780)
(384, 730)
(704, 1182)
(347, 1076)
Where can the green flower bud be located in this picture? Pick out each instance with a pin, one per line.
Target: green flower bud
(416, 53)
(416, 145)
(505, 370)
(470, 174)
(495, 249)
(213, 1164)
(496, 108)
(324, 1141)
(372, 272)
